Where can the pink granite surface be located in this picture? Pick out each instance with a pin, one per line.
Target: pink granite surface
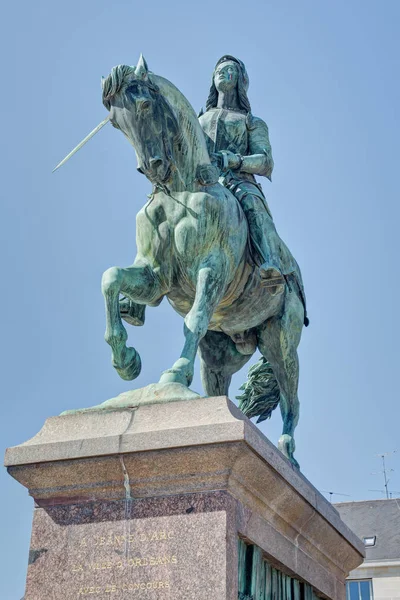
(158, 548)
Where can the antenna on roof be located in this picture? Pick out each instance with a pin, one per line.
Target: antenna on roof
(334, 494)
(384, 471)
(384, 492)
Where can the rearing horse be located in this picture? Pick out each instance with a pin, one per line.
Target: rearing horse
(192, 240)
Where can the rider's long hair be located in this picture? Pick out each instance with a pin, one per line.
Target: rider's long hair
(243, 85)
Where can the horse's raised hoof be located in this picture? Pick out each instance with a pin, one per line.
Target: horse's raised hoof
(131, 365)
(287, 446)
(181, 372)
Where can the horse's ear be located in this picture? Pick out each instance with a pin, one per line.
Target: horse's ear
(142, 69)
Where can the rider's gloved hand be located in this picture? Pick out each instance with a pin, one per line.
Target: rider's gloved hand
(226, 160)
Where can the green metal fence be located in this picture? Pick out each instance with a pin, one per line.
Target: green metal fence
(258, 580)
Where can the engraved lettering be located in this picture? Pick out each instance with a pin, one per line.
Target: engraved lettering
(152, 561)
(136, 586)
(114, 539)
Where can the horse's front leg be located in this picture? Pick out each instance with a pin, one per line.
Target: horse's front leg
(210, 288)
(140, 284)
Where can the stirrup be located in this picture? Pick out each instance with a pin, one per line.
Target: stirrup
(273, 282)
(276, 279)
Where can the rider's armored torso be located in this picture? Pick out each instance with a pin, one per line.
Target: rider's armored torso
(238, 132)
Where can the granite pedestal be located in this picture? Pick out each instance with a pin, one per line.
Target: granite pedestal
(150, 501)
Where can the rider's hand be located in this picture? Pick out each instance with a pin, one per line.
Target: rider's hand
(217, 160)
(234, 160)
(226, 160)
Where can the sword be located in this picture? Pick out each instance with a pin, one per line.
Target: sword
(82, 143)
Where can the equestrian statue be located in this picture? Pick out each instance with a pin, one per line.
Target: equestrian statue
(207, 242)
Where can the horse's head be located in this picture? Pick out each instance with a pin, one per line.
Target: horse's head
(143, 115)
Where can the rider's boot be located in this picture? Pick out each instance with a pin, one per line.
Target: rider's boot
(266, 241)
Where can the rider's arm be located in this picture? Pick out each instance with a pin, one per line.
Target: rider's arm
(259, 161)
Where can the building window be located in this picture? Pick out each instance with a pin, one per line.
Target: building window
(359, 590)
(369, 541)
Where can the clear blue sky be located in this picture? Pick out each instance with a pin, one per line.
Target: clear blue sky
(325, 77)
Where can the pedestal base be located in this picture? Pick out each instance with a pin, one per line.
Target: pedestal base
(154, 501)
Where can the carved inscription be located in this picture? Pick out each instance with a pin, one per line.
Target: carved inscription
(121, 568)
(124, 587)
(113, 539)
(147, 561)
(151, 558)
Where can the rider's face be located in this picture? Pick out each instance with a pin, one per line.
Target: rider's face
(226, 76)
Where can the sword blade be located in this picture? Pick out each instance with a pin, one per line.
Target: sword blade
(82, 143)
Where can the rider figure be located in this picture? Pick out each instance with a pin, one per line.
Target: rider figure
(238, 142)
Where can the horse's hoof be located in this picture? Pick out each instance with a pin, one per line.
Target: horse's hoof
(172, 376)
(180, 373)
(287, 446)
(131, 367)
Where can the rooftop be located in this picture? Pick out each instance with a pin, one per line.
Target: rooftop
(380, 518)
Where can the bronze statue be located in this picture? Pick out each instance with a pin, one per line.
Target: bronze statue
(193, 242)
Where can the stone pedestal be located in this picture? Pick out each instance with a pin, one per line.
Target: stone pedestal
(158, 502)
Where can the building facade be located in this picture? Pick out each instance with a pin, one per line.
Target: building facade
(377, 523)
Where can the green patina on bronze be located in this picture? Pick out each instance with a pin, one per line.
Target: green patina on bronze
(207, 242)
(258, 580)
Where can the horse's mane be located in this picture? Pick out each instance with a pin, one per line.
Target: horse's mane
(191, 133)
(185, 114)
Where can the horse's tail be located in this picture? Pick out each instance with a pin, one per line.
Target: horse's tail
(261, 392)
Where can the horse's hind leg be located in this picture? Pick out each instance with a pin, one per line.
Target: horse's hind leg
(210, 288)
(219, 360)
(278, 339)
